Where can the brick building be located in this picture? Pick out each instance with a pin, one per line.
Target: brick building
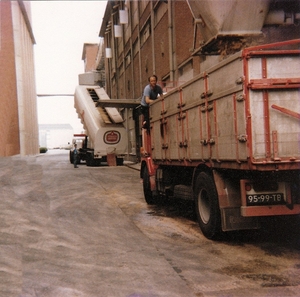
(93, 71)
(89, 54)
(18, 117)
(156, 37)
(174, 41)
(142, 38)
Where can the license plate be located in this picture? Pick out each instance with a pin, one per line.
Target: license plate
(265, 199)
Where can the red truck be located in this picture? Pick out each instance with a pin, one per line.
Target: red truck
(229, 140)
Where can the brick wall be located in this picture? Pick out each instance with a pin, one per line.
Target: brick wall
(18, 116)
(154, 52)
(89, 56)
(161, 47)
(9, 125)
(146, 61)
(184, 31)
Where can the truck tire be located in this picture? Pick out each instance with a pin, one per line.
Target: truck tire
(120, 161)
(207, 206)
(150, 199)
(89, 160)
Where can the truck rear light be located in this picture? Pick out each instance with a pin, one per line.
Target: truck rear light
(261, 185)
(248, 187)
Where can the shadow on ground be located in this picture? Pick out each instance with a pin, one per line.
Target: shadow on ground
(276, 233)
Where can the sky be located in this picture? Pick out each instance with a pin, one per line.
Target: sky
(60, 29)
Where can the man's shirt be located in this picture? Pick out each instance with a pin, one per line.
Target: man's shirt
(151, 93)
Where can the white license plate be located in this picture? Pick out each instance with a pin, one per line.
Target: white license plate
(265, 199)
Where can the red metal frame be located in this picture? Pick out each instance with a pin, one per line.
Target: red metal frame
(188, 149)
(216, 130)
(270, 210)
(271, 53)
(206, 88)
(272, 83)
(257, 49)
(265, 84)
(162, 123)
(286, 111)
(235, 123)
(266, 112)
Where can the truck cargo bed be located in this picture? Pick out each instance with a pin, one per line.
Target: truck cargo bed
(242, 113)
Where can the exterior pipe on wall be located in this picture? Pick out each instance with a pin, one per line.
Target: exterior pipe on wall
(152, 39)
(171, 41)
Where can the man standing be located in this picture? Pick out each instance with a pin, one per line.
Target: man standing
(151, 92)
(75, 154)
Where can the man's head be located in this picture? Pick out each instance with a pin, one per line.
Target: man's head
(153, 80)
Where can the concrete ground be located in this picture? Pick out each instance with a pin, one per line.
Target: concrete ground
(62, 234)
(88, 232)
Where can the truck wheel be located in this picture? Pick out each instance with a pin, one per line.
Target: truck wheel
(120, 161)
(146, 187)
(207, 206)
(71, 157)
(89, 160)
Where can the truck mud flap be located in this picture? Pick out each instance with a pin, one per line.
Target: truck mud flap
(232, 220)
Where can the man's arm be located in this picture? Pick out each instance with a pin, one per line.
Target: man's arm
(148, 100)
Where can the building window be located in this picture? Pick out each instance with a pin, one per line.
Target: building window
(142, 5)
(160, 11)
(135, 48)
(121, 69)
(135, 13)
(145, 33)
(128, 59)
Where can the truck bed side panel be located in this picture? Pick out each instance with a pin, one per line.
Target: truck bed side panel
(274, 108)
(239, 110)
(201, 119)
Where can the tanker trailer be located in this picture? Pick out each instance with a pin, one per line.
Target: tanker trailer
(105, 135)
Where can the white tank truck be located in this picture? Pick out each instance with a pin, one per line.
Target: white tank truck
(229, 138)
(105, 135)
